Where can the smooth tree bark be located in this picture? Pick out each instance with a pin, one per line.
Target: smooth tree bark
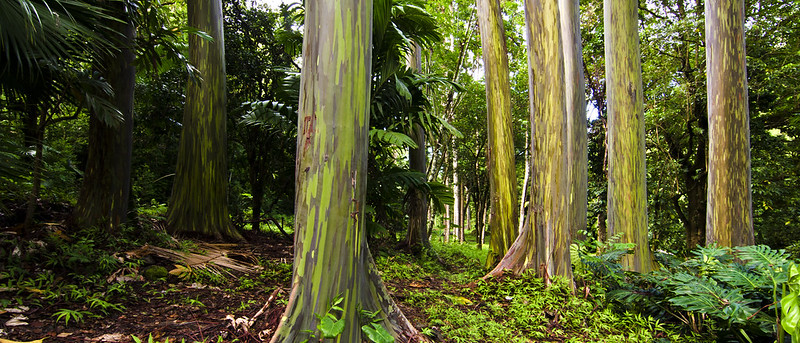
(417, 207)
(627, 193)
(199, 203)
(575, 98)
(105, 192)
(729, 217)
(544, 242)
(332, 259)
(500, 156)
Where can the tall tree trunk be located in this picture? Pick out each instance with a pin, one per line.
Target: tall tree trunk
(36, 131)
(544, 243)
(575, 99)
(199, 202)
(458, 204)
(627, 193)
(729, 218)
(332, 259)
(501, 169)
(105, 192)
(466, 221)
(447, 222)
(527, 174)
(417, 209)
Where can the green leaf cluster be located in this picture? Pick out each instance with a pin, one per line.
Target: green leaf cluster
(729, 292)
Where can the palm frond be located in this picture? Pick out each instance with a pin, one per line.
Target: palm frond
(440, 195)
(33, 32)
(272, 115)
(391, 137)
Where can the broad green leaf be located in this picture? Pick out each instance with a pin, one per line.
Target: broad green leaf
(330, 328)
(377, 333)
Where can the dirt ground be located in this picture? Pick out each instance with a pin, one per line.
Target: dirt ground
(175, 310)
(186, 311)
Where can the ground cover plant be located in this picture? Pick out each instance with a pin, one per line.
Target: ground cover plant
(68, 286)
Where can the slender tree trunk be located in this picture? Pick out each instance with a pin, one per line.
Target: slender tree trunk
(467, 222)
(729, 218)
(417, 209)
(627, 193)
(199, 203)
(575, 99)
(447, 222)
(105, 192)
(501, 169)
(36, 174)
(524, 193)
(544, 244)
(332, 259)
(458, 204)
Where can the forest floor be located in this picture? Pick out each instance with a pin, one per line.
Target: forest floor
(89, 286)
(194, 305)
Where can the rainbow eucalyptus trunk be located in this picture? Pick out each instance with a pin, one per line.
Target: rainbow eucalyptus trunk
(729, 218)
(575, 98)
(332, 259)
(104, 195)
(627, 193)
(199, 203)
(544, 242)
(501, 169)
(417, 209)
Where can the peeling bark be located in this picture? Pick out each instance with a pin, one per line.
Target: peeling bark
(544, 242)
(332, 259)
(199, 201)
(627, 193)
(105, 192)
(729, 218)
(500, 154)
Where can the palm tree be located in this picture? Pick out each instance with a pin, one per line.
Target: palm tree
(42, 44)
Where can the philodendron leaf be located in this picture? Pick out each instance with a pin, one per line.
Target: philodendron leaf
(330, 328)
(790, 304)
(790, 309)
(377, 333)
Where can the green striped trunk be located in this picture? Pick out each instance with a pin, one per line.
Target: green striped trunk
(729, 215)
(627, 192)
(199, 201)
(544, 242)
(332, 259)
(501, 169)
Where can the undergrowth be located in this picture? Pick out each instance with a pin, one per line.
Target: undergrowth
(509, 308)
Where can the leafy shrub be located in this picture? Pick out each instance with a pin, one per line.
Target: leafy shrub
(726, 292)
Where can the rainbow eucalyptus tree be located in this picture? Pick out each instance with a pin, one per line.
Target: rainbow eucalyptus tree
(544, 241)
(627, 193)
(729, 218)
(575, 98)
(502, 172)
(104, 194)
(199, 203)
(332, 262)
